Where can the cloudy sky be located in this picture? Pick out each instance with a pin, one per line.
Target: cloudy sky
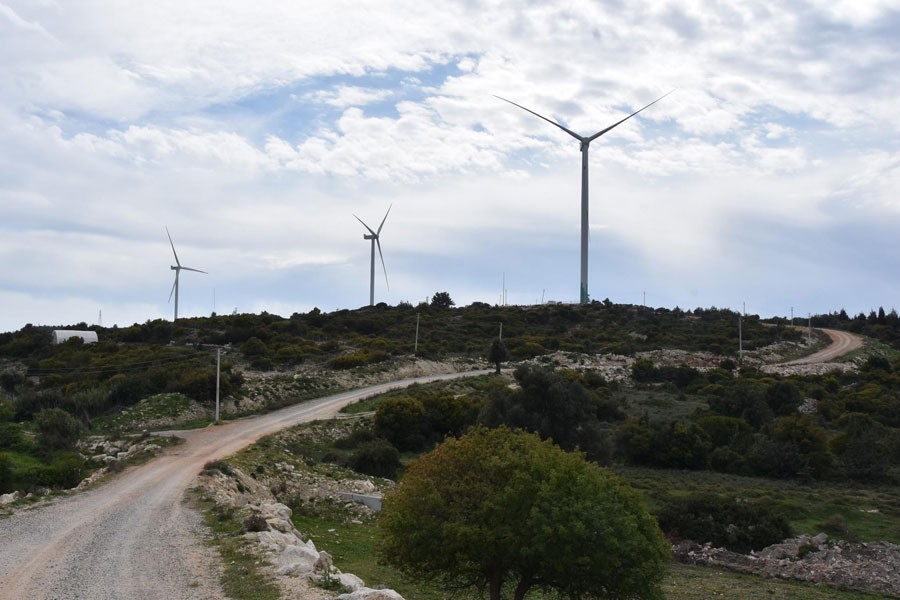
(255, 131)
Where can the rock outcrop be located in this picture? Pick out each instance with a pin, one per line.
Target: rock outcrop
(867, 567)
(288, 550)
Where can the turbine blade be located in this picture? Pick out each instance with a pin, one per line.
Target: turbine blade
(569, 131)
(194, 270)
(384, 219)
(378, 241)
(173, 246)
(599, 133)
(366, 226)
(173, 289)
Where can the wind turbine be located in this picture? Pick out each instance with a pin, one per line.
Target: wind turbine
(585, 143)
(374, 236)
(178, 269)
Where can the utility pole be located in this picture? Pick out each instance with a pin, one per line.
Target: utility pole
(218, 369)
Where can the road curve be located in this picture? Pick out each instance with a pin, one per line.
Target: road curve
(133, 537)
(842, 342)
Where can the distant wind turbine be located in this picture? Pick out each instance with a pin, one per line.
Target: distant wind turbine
(585, 143)
(178, 269)
(374, 236)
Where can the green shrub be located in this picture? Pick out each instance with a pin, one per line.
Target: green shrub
(731, 523)
(65, 470)
(378, 458)
(402, 422)
(356, 438)
(6, 478)
(57, 429)
(13, 438)
(358, 359)
(644, 371)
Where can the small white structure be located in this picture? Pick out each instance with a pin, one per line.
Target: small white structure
(61, 335)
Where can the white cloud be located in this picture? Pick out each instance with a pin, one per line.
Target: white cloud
(255, 132)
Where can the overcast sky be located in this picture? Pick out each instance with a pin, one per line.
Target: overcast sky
(256, 131)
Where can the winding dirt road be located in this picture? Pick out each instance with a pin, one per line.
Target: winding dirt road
(842, 342)
(134, 537)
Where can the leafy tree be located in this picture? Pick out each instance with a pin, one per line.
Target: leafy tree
(498, 353)
(402, 422)
(57, 429)
(863, 447)
(504, 512)
(442, 300)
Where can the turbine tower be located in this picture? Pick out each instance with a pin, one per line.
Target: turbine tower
(178, 269)
(374, 236)
(585, 143)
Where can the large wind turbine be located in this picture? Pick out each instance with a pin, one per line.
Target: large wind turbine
(585, 143)
(178, 269)
(374, 236)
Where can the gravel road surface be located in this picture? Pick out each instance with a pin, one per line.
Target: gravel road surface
(842, 342)
(134, 537)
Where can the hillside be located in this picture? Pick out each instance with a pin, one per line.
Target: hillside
(654, 392)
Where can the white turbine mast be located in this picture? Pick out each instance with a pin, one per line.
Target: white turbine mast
(178, 269)
(585, 143)
(374, 236)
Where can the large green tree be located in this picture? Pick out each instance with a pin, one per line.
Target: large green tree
(503, 512)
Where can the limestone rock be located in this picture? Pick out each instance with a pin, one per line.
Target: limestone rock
(295, 560)
(324, 564)
(351, 581)
(370, 594)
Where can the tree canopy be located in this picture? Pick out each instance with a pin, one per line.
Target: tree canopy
(554, 406)
(503, 512)
(498, 353)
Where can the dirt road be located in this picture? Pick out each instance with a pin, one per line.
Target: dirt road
(842, 342)
(134, 537)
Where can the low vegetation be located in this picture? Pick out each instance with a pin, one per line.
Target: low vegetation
(708, 445)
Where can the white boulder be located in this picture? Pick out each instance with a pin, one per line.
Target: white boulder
(370, 594)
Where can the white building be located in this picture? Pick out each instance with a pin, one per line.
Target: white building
(61, 335)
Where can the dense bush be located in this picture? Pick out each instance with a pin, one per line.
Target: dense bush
(358, 359)
(65, 470)
(674, 444)
(6, 480)
(12, 438)
(732, 523)
(377, 458)
(402, 422)
(551, 405)
(57, 429)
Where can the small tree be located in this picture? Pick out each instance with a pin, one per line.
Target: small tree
(498, 353)
(57, 429)
(442, 300)
(502, 511)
